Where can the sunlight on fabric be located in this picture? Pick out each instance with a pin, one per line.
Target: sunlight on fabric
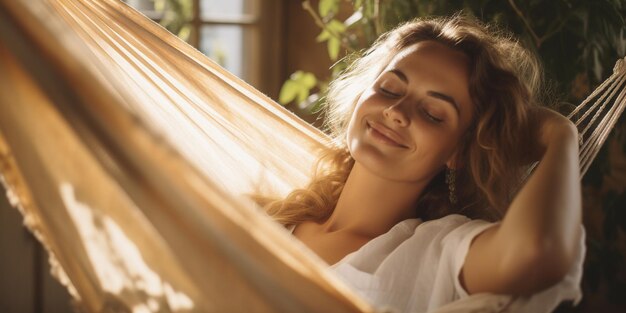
(224, 133)
(117, 260)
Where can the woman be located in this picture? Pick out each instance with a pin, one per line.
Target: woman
(421, 203)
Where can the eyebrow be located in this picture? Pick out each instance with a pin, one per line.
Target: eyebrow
(399, 74)
(445, 98)
(434, 94)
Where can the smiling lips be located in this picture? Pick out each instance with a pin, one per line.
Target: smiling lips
(385, 134)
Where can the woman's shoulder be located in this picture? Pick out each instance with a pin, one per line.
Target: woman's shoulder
(450, 219)
(414, 234)
(453, 224)
(418, 233)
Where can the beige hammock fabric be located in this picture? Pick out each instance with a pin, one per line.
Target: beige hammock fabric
(129, 154)
(134, 183)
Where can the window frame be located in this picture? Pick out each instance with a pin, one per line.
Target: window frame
(262, 66)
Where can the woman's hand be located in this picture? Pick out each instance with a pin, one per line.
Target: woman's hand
(549, 128)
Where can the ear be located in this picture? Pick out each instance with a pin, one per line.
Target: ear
(455, 161)
(452, 161)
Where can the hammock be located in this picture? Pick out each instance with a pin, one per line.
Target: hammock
(130, 155)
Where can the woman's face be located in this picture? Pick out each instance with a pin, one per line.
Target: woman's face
(408, 124)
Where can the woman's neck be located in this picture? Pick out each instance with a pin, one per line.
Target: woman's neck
(369, 205)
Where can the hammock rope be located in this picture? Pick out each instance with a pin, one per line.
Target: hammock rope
(612, 93)
(130, 154)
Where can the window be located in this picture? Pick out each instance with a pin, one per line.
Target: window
(240, 35)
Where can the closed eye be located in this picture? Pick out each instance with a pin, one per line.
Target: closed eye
(389, 93)
(431, 117)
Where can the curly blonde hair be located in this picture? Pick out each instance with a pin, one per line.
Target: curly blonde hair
(504, 83)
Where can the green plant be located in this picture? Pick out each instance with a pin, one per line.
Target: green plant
(578, 40)
(176, 16)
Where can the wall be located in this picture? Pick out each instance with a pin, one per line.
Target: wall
(26, 285)
(301, 50)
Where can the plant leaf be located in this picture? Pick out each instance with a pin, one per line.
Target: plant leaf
(288, 92)
(336, 26)
(323, 36)
(307, 80)
(297, 87)
(184, 32)
(333, 48)
(358, 4)
(327, 7)
(302, 95)
(333, 31)
(159, 5)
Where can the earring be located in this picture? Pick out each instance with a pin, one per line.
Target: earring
(451, 181)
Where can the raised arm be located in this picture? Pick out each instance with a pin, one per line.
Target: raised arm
(535, 244)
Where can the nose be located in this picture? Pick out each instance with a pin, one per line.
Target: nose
(396, 115)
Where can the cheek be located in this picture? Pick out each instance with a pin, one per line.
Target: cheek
(433, 147)
(369, 100)
(355, 135)
(352, 138)
(356, 118)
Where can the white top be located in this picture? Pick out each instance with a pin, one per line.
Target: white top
(415, 267)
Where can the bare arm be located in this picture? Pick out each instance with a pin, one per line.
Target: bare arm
(535, 245)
